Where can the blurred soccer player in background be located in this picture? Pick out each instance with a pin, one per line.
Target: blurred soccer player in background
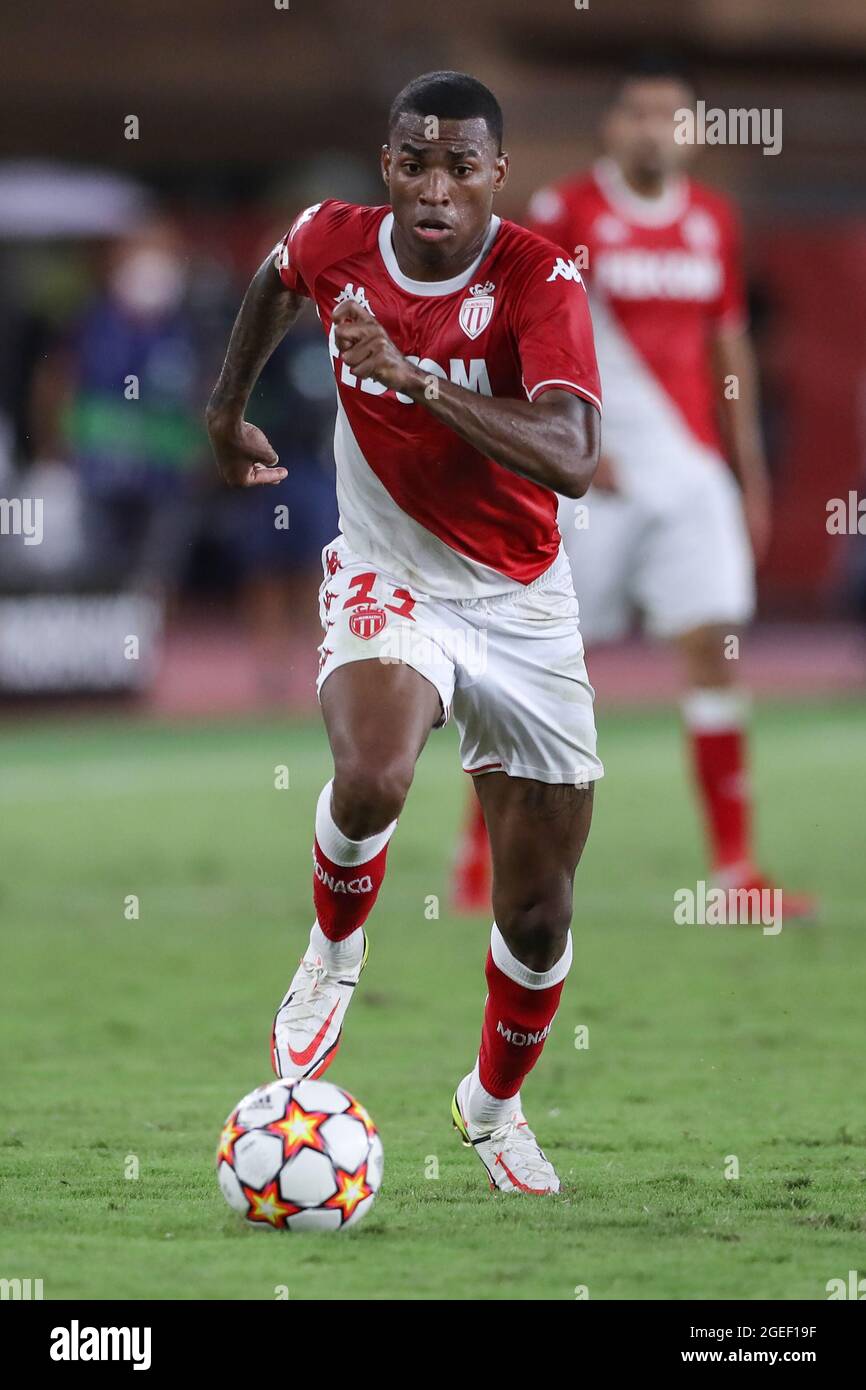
(669, 531)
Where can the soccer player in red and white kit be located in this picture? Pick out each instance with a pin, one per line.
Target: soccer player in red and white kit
(667, 530)
(467, 398)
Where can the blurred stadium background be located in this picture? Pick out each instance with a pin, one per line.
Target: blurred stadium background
(135, 251)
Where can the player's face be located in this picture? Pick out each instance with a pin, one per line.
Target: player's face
(639, 131)
(442, 178)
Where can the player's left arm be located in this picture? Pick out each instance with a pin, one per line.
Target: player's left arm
(553, 440)
(739, 414)
(737, 386)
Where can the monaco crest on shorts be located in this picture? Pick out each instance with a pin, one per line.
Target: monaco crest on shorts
(367, 622)
(477, 311)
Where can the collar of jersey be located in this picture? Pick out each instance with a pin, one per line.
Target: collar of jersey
(648, 212)
(430, 287)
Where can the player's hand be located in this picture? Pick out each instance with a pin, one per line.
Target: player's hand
(604, 477)
(367, 350)
(757, 509)
(243, 455)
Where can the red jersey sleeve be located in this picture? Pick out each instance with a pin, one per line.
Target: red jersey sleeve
(295, 255)
(554, 330)
(729, 310)
(319, 236)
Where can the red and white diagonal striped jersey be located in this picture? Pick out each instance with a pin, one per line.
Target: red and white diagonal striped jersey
(415, 498)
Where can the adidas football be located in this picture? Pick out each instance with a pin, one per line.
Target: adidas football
(300, 1156)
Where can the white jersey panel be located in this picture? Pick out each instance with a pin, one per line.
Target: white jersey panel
(655, 455)
(377, 528)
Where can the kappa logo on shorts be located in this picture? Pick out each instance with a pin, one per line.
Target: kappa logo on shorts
(367, 622)
(477, 311)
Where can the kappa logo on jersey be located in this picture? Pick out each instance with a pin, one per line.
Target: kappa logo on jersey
(609, 228)
(357, 296)
(368, 622)
(546, 205)
(700, 231)
(477, 311)
(566, 269)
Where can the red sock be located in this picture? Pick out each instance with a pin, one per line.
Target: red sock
(517, 1018)
(347, 874)
(344, 897)
(719, 757)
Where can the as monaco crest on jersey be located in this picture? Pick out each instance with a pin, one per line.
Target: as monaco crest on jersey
(477, 311)
(367, 622)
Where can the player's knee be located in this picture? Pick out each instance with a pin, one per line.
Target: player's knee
(535, 927)
(369, 795)
(706, 663)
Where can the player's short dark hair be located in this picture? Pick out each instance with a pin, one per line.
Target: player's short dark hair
(452, 96)
(655, 64)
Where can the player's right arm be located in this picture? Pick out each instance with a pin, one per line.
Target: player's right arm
(243, 454)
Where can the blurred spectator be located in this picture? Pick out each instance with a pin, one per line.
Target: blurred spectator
(120, 401)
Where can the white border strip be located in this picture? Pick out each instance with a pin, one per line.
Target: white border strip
(560, 381)
(429, 288)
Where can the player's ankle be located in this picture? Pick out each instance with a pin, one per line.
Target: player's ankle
(481, 1108)
(344, 954)
(731, 872)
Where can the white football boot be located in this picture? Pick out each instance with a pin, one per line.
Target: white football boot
(309, 1021)
(510, 1152)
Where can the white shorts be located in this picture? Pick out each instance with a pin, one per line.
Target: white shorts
(510, 667)
(680, 562)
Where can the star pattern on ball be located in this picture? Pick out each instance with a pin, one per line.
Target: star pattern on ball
(352, 1189)
(268, 1206)
(299, 1129)
(230, 1133)
(357, 1111)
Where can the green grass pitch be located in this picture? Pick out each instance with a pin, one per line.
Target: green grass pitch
(132, 1039)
